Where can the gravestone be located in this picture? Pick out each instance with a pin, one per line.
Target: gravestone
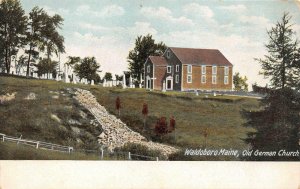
(124, 82)
(164, 86)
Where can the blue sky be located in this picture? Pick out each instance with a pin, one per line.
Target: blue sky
(107, 29)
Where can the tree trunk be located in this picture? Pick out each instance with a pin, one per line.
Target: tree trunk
(8, 60)
(175, 135)
(7, 65)
(283, 76)
(28, 63)
(144, 123)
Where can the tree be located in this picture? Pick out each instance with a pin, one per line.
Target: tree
(172, 126)
(277, 125)
(2, 65)
(205, 134)
(12, 29)
(118, 105)
(277, 122)
(2, 55)
(261, 90)
(118, 77)
(279, 65)
(87, 68)
(72, 61)
(161, 127)
(145, 46)
(240, 83)
(21, 62)
(34, 36)
(296, 64)
(145, 113)
(108, 76)
(46, 66)
(52, 40)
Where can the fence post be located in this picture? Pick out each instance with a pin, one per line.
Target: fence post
(101, 153)
(37, 145)
(3, 137)
(19, 140)
(156, 158)
(129, 156)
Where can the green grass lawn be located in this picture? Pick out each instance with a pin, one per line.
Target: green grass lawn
(221, 115)
(12, 151)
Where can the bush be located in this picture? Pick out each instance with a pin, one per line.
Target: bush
(139, 149)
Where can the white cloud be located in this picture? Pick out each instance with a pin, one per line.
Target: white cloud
(139, 28)
(83, 8)
(234, 8)
(196, 9)
(109, 51)
(203, 16)
(91, 40)
(162, 13)
(51, 12)
(296, 28)
(112, 10)
(255, 20)
(92, 27)
(107, 11)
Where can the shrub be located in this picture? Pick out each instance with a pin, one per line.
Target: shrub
(139, 149)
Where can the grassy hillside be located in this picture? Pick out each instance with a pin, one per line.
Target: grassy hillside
(32, 118)
(220, 115)
(54, 116)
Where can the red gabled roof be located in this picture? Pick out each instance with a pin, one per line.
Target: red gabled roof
(158, 60)
(200, 56)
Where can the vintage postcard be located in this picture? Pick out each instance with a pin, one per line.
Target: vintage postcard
(158, 81)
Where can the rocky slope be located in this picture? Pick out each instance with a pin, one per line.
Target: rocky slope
(115, 132)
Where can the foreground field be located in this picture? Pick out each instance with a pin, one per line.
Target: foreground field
(220, 115)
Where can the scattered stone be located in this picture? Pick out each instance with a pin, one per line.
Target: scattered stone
(74, 122)
(55, 97)
(75, 130)
(102, 135)
(54, 117)
(82, 114)
(79, 141)
(54, 92)
(31, 96)
(94, 122)
(7, 97)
